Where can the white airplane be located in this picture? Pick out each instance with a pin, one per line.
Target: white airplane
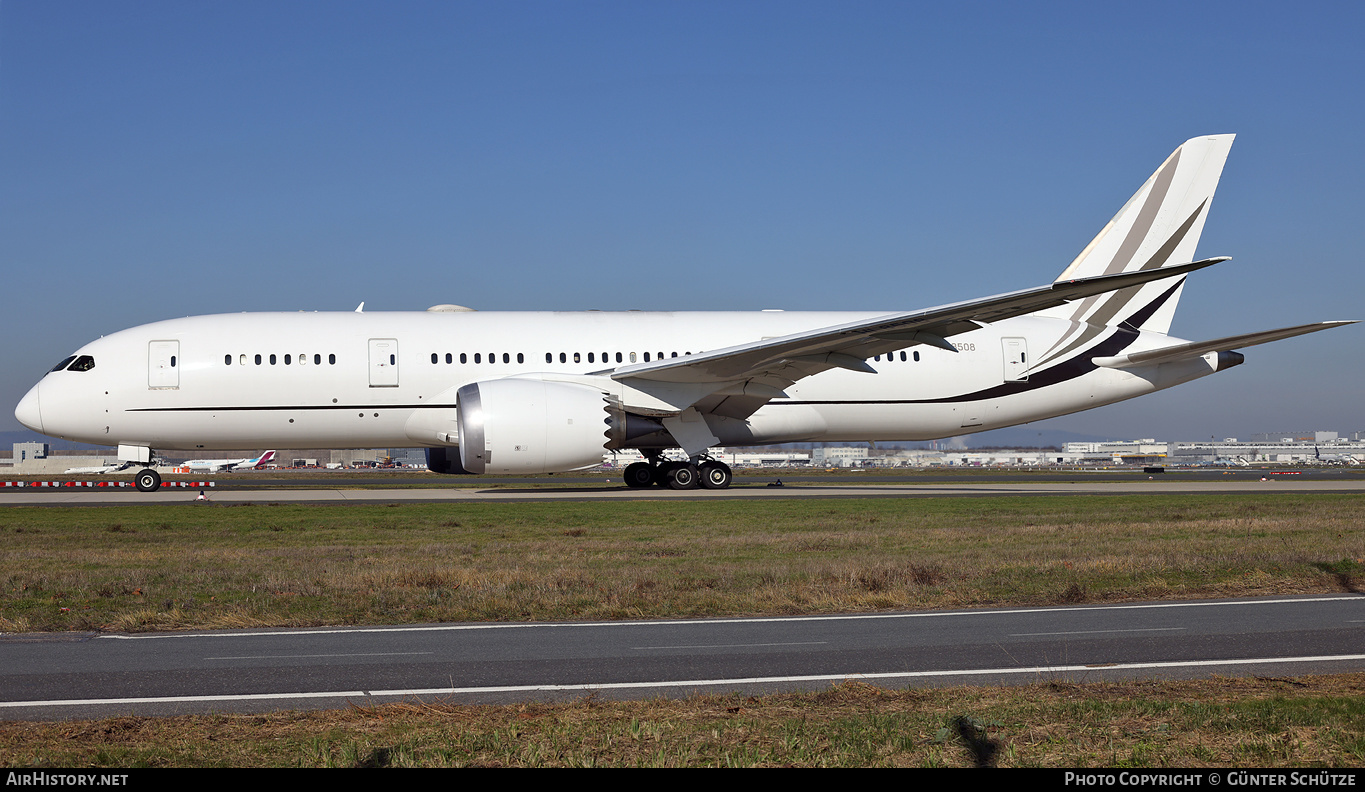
(488, 392)
(1320, 458)
(216, 465)
(97, 469)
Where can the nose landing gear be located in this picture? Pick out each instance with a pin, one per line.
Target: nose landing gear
(148, 480)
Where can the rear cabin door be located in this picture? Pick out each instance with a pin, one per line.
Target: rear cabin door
(383, 363)
(1016, 359)
(163, 365)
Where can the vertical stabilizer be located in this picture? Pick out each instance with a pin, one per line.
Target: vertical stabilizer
(1159, 225)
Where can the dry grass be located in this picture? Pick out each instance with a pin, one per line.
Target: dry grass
(140, 568)
(1304, 722)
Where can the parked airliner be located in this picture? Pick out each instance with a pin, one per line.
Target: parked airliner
(215, 465)
(97, 469)
(491, 392)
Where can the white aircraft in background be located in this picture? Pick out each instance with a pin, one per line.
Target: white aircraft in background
(519, 393)
(1320, 458)
(97, 469)
(216, 465)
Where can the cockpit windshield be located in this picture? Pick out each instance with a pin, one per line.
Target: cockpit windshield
(82, 363)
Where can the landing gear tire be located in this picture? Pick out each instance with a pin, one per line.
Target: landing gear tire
(681, 476)
(148, 480)
(639, 475)
(715, 475)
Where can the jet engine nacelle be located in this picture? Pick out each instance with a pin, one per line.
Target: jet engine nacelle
(445, 460)
(530, 426)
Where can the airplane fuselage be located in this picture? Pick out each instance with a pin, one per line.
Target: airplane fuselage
(348, 380)
(537, 392)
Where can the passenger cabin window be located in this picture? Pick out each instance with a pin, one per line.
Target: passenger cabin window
(317, 360)
(227, 360)
(331, 360)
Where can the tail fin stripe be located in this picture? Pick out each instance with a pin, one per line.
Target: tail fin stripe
(1114, 302)
(1146, 217)
(1117, 301)
(1158, 226)
(1157, 259)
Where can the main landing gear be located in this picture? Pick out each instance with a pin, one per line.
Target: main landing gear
(708, 474)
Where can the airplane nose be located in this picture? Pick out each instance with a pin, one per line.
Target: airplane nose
(27, 412)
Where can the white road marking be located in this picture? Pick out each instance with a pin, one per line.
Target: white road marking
(755, 620)
(1096, 632)
(452, 691)
(295, 657)
(731, 646)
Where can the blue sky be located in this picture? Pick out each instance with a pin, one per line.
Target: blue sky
(162, 159)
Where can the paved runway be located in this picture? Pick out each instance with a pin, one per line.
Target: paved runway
(58, 676)
(231, 492)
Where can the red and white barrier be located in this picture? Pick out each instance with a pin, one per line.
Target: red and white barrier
(108, 484)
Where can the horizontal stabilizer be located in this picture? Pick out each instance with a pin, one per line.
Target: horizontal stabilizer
(1198, 348)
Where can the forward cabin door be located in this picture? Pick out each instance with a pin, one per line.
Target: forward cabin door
(383, 363)
(163, 364)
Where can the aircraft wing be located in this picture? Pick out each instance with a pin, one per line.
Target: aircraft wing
(1198, 348)
(746, 376)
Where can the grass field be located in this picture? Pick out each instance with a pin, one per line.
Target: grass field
(210, 566)
(204, 566)
(1305, 722)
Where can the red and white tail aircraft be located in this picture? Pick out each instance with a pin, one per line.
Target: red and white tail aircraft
(488, 392)
(215, 465)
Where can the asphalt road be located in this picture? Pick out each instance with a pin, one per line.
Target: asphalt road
(59, 676)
